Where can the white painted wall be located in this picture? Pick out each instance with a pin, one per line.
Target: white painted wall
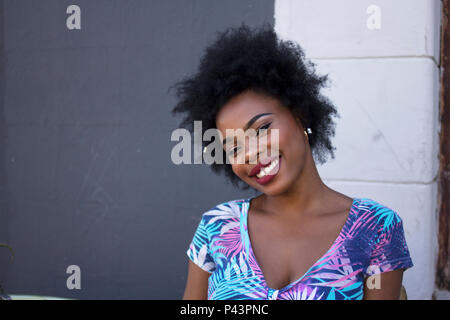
(385, 84)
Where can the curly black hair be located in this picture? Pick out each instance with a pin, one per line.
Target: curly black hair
(243, 58)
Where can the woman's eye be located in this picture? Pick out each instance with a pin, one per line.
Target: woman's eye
(233, 152)
(266, 126)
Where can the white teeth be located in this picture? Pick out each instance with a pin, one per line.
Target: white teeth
(266, 170)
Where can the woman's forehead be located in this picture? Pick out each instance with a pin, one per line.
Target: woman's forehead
(242, 108)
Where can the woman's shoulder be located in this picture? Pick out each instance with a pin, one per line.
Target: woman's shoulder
(230, 209)
(369, 204)
(377, 214)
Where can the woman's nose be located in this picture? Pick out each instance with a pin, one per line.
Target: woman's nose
(253, 148)
(261, 147)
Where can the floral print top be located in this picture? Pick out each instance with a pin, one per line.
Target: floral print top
(371, 241)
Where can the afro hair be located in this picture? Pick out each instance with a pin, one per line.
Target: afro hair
(243, 59)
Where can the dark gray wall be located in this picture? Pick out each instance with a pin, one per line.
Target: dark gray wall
(85, 125)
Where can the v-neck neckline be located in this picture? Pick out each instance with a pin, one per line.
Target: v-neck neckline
(249, 250)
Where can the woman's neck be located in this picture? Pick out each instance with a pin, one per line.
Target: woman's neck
(302, 200)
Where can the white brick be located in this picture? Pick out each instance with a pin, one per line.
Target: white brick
(327, 28)
(416, 205)
(388, 126)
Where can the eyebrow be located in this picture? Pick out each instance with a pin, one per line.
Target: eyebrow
(248, 125)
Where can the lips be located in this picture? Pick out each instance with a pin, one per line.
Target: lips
(273, 170)
(258, 167)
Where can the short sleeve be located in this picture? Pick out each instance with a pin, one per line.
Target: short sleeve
(199, 251)
(389, 249)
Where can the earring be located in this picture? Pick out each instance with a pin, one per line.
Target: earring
(307, 131)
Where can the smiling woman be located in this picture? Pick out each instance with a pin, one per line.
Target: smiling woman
(298, 239)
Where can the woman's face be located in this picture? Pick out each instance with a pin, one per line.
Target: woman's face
(269, 114)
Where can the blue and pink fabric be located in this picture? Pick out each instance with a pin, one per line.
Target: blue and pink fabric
(371, 241)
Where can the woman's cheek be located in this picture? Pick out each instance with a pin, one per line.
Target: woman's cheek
(237, 170)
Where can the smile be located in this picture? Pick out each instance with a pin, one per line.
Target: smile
(267, 173)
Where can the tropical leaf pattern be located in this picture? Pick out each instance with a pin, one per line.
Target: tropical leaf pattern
(371, 241)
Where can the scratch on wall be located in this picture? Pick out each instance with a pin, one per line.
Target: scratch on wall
(382, 136)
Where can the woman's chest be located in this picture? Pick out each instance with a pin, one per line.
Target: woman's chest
(285, 252)
(277, 257)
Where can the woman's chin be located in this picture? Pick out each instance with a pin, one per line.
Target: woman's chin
(272, 189)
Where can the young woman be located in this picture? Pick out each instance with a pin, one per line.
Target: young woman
(298, 239)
